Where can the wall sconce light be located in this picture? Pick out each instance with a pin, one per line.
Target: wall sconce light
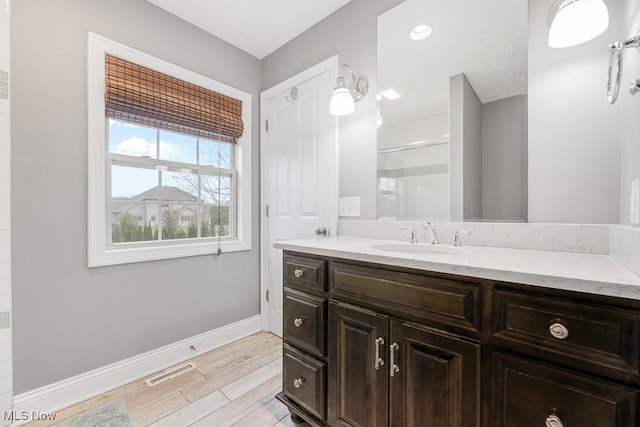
(344, 98)
(576, 21)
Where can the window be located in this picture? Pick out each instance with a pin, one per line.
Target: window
(162, 184)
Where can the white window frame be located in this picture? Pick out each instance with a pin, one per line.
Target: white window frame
(99, 253)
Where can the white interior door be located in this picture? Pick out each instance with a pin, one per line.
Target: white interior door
(298, 149)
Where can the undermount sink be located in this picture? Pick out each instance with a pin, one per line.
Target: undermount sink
(417, 248)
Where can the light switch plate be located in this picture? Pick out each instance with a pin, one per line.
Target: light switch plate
(349, 206)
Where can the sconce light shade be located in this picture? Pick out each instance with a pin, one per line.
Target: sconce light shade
(343, 98)
(576, 21)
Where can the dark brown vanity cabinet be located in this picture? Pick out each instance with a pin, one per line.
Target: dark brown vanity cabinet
(371, 345)
(366, 347)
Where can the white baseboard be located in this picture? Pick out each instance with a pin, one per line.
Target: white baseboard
(68, 392)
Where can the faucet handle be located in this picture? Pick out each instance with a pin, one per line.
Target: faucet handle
(456, 237)
(412, 237)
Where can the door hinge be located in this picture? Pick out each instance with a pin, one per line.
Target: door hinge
(267, 210)
(266, 125)
(267, 295)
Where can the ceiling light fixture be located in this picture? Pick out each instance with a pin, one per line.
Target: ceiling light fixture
(344, 98)
(576, 21)
(420, 32)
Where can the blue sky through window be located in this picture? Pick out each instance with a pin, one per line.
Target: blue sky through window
(139, 141)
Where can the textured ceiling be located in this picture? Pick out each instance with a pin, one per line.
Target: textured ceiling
(486, 40)
(256, 26)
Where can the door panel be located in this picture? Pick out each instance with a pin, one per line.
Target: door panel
(357, 391)
(438, 378)
(298, 162)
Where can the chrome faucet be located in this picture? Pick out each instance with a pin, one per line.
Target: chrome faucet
(433, 233)
(456, 237)
(412, 236)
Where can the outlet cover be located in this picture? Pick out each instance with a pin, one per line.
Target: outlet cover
(349, 206)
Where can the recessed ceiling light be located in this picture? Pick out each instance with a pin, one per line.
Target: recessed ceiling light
(390, 94)
(420, 32)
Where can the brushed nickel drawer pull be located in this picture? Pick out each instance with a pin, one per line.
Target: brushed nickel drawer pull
(553, 421)
(298, 382)
(559, 331)
(394, 368)
(298, 273)
(297, 322)
(379, 361)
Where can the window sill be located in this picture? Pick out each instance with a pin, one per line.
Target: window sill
(155, 253)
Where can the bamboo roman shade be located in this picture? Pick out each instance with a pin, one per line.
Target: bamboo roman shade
(139, 95)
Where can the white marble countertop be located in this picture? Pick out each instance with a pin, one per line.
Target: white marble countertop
(596, 274)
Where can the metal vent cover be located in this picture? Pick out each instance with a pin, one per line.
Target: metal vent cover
(167, 375)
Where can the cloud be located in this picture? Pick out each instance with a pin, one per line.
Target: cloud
(135, 146)
(170, 151)
(140, 147)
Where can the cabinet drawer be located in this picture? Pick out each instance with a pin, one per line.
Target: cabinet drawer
(449, 303)
(304, 273)
(303, 379)
(304, 321)
(528, 394)
(598, 338)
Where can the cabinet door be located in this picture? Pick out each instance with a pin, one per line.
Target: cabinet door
(437, 380)
(358, 392)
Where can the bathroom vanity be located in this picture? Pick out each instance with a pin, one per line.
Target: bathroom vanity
(418, 339)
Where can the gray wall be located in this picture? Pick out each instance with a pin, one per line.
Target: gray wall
(631, 111)
(574, 134)
(472, 151)
(465, 128)
(504, 146)
(69, 319)
(351, 33)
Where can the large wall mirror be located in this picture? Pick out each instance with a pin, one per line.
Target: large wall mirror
(452, 110)
(483, 121)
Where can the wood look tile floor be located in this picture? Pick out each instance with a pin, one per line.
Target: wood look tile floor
(233, 385)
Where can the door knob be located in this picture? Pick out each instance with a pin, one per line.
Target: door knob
(321, 231)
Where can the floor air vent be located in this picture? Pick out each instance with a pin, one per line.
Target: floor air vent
(167, 375)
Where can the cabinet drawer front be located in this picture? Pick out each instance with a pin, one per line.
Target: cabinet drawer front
(446, 302)
(528, 394)
(304, 321)
(570, 332)
(304, 273)
(303, 381)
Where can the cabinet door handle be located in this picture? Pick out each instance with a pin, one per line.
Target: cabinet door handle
(394, 368)
(559, 331)
(553, 421)
(298, 273)
(298, 321)
(379, 361)
(298, 382)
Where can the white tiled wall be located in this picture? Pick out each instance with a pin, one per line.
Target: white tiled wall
(6, 384)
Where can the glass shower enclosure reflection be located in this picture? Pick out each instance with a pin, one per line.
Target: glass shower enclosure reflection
(413, 181)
